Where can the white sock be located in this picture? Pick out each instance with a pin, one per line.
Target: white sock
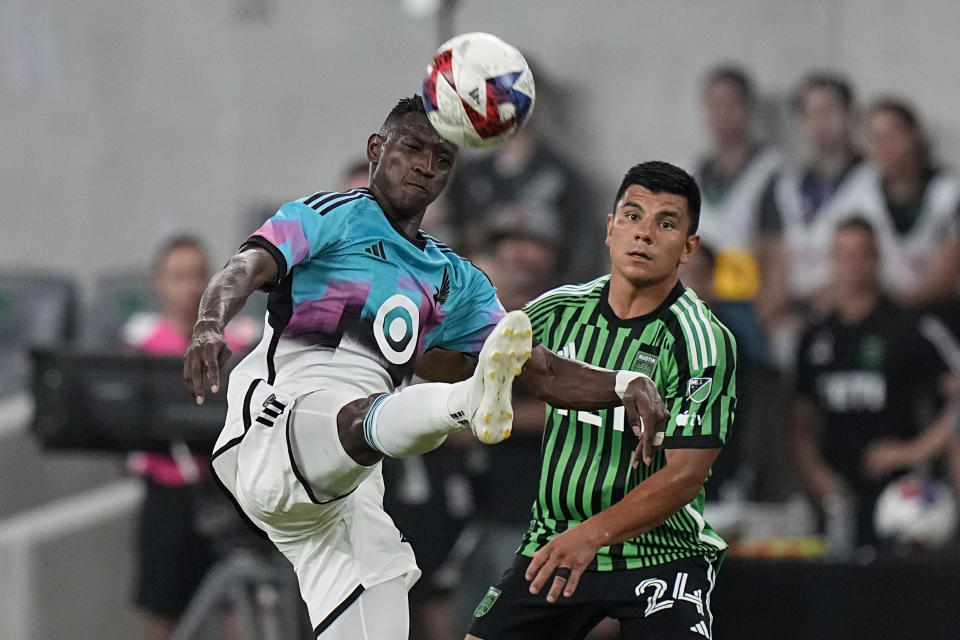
(417, 419)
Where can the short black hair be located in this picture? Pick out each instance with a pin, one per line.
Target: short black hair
(663, 177)
(413, 104)
(173, 243)
(832, 82)
(735, 76)
(905, 112)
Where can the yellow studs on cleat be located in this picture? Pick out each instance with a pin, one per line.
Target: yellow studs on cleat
(528, 332)
(517, 371)
(506, 434)
(493, 374)
(508, 331)
(513, 353)
(487, 417)
(508, 415)
(496, 355)
(486, 434)
(527, 354)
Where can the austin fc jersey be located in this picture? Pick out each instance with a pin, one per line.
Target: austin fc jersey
(357, 301)
(586, 459)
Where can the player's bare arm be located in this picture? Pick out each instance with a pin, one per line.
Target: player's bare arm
(247, 271)
(569, 384)
(646, 507)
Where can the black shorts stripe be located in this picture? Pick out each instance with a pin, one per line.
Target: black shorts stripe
(264, 421)
(233, 500)
(270, 412)
(230, 445)
(302, 479)
(340, 608)
(271, 352)
(247, 420)
(296, 470)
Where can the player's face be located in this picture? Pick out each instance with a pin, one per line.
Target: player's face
(891, 144)
(647, 235)
(181, 279)
(824, 121)
(855, 260)
(728, 114)
(411, 164)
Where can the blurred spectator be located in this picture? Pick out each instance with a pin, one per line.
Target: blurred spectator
(697, 273)
(803, 204)
(525, 185)
(862, 373)
(732, 178)
(913, 205)
(356, 175)
(173, 554)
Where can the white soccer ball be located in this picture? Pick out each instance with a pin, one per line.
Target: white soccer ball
(478, 90)
(914, 511)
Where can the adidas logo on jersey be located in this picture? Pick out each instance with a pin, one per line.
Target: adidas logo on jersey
(272, 408)
(377, 251)
(568, 350)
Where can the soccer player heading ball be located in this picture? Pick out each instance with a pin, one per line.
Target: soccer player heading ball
(611, 538)
(360, 298)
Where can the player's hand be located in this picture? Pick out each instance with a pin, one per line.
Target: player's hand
(647, 416)
(206, 354)
(562, 561)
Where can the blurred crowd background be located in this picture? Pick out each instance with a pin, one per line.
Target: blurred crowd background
(143, 142)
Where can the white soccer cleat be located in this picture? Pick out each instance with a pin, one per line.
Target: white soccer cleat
(506, 350)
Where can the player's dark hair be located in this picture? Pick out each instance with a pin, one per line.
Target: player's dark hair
(736, 77)
(173, 243)
(413, 104)
(908, 116)
(833, 83)
(663, 177)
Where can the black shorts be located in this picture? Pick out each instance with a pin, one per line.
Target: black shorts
(173, 556)
(665, 601)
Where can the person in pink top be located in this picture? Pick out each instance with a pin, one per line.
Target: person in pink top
(173, 555)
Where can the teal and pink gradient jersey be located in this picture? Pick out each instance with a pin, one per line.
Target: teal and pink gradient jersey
(358, 301)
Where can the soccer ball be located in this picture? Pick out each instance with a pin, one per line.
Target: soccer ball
(914, 511)
(478, 90)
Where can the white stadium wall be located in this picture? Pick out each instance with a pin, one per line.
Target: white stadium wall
(123, 122)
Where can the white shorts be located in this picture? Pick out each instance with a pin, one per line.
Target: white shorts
(339, 545)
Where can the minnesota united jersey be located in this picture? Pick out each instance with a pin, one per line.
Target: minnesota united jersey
(358, 301)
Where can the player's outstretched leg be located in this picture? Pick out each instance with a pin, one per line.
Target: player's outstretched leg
(419, 418)
(506, 350)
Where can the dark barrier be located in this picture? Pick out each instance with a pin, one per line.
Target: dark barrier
(896, 599)
(119, 403)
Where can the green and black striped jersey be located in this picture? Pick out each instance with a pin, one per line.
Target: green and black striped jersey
(586, 456)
